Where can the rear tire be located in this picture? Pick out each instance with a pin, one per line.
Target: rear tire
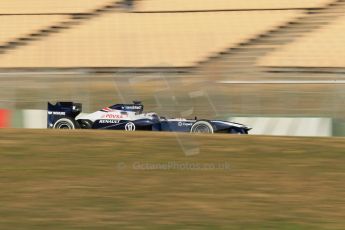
(202, 127)
(64, 123)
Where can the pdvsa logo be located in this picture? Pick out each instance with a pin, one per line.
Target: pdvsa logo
(130, 126)
(113, 116)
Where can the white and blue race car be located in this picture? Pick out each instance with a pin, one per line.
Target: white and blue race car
(130, 117)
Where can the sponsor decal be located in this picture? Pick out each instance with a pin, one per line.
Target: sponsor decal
(114, 116)
(180, 123)
(109, 121)
(106, 109)
(131, 107)
(130, 126)
(56, 113)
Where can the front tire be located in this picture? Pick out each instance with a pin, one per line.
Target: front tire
(202, 127)
(237, 131)
(85, 124)
(64, 123)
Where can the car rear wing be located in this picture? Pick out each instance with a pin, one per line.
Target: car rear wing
(62, 110)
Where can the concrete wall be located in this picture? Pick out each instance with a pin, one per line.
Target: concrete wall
(35, 119)
(286, 126)
(282, 126)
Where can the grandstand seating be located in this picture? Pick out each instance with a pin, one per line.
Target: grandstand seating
(220, 46)
(12, 27)
(50, 6)
(322, 48)
(194, 5)
(145, 40)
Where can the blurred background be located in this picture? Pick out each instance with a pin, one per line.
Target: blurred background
(275, 65)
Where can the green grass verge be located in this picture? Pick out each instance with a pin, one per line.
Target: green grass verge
(97, 180)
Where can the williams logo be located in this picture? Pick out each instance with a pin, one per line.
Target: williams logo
(56, 113)
(130, 126)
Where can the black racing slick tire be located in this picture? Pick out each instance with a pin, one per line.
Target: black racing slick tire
(202, 127)
(237, 131)
(85, 124)
(64, 123)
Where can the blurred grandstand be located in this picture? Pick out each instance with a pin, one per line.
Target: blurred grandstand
(99, 51)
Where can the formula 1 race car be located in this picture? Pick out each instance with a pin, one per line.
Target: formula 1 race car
(130, 117)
